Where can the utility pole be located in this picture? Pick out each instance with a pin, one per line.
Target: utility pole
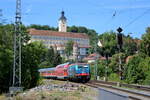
(120, 43)
(106, 67)
(16, 84)
(96, 60)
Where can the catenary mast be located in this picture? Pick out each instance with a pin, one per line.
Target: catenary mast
(16, 82)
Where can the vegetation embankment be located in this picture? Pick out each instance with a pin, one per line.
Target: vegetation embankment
(135, 56)
(57, 90)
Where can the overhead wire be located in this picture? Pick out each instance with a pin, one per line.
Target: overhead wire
(98, 5)
(138, 17)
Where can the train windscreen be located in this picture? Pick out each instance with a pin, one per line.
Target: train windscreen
(83, 68)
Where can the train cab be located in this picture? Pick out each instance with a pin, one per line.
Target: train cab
(79, 72)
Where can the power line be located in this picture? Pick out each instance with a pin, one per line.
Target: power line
(138, 17)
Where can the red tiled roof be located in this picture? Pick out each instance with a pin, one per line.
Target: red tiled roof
(59, 34)
(84, 46)
(93, 57)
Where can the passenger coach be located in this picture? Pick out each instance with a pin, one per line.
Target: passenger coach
(70, 71)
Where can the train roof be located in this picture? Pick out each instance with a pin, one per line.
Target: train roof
(46, 69)
(79, 64)
(64, 64)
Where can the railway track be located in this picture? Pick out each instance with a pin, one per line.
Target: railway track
(138, 93)
(132, 86)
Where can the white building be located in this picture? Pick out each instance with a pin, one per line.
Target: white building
(59, 39)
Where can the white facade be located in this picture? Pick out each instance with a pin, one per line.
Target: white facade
(62, 26)
(51, 40)
(83, 51)
(59, 39)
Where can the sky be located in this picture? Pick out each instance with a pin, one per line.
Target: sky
(101, 15)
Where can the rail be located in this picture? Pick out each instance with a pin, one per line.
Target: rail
(112, 85)
(134, 86)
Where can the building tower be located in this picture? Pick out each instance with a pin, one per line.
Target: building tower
(62, 23)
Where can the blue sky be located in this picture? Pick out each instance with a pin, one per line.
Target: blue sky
(94, 14)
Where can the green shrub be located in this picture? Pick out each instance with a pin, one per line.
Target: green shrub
(114, 77)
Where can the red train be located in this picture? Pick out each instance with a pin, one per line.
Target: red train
(74, 72)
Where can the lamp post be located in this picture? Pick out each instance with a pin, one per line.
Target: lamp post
(120, 43)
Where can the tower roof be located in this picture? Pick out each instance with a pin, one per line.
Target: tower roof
(62, 16)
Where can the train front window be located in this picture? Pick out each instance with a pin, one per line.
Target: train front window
(84, 66)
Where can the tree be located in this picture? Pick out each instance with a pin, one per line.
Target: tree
(82, 29)
(42, 27)
(134, 73)
(6, 63)
(31, 58)
(101, 68)
(51, 59)
(6, 56)
(130, 46)
(69, 48)
(145, 44)
(145, 67)
(114, 64)
(72, 29)
(6, 36)
(109, 43)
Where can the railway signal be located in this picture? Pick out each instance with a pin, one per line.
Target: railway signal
(120, 43)
(119, 38)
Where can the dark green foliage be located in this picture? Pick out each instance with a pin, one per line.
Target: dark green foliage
(6, 56)
(6, 63)
(51, 59)
(101, 68)
(57, 59)
(130, 46)
(145, 67)
(42, 27)
(145, 44)
(32, 55)
(31, 58)
(138, 70)
(6, 36)
(72, 29)
(114, 77)
(114, 64)
(108, 40)
(69, 48)
(134, 73)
